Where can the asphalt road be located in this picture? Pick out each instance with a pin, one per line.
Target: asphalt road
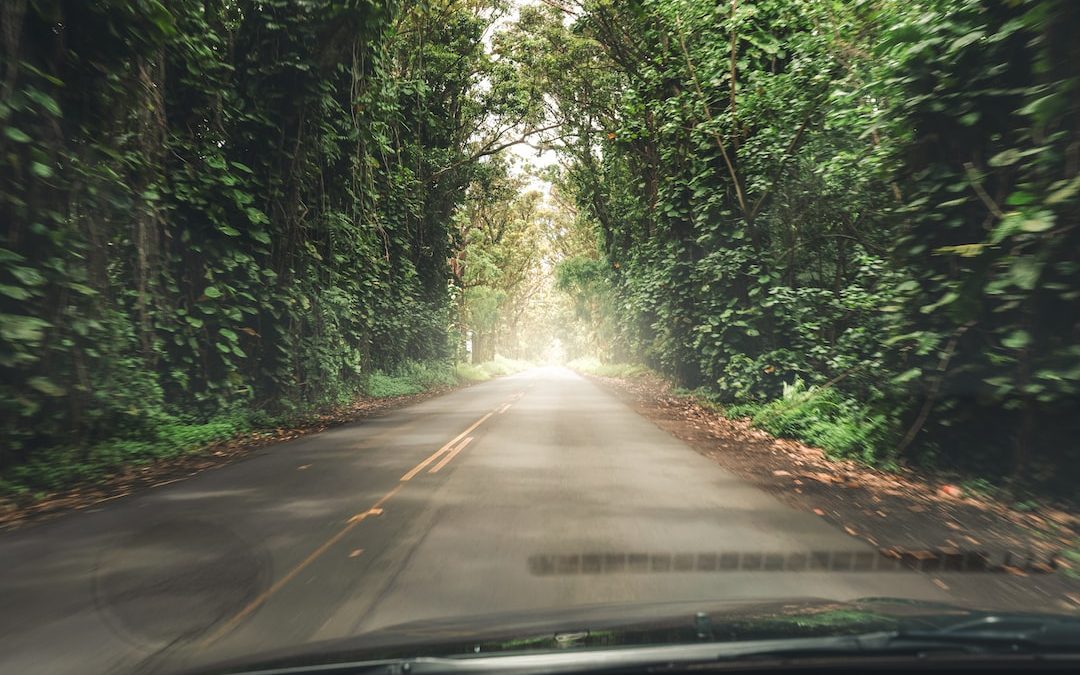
(535, 491)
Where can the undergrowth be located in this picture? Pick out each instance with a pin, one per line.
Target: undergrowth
(819, 416)
(56, 468)
(824, 418)
(593, 366)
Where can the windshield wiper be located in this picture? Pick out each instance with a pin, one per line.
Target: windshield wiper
(986, 636)
(992, 634)
(1015, 632)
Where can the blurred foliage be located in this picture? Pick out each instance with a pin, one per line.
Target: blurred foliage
(594, 366)
(214, 206)
(858, 217)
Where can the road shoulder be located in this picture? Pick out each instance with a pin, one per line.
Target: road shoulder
(906, 514)
(136, 478)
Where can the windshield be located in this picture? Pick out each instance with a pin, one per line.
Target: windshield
(466, 326)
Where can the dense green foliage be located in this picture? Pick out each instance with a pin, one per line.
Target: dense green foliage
(865, 212)
(224, 206)
(854, 221)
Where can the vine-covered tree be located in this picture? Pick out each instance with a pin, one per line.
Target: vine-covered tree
(212, 206)
(867, 210)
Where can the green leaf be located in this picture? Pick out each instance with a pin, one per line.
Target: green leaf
(946, 299)
(1039, 222)
(1020, 198)
(211, 292)
(1024, 272)
(1018, 339)
(962, 250)
(16, 135)
(45, 101)
(970, 119)
(28, 276)
(81, 288)
(907, 376)
(41, 170)
(1005, 158)
(256, 216)
(15, 292)
(1064, 192)
(230, 231)
(46, 386)
(961, 42)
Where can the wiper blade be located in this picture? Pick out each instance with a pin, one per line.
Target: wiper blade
(1014, 632)
(1030, 637)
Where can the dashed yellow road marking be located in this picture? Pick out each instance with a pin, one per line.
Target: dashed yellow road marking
(451, 448)
(450, 455)
(423, 465)
(280, 583)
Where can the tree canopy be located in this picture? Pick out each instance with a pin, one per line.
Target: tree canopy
(855, 221)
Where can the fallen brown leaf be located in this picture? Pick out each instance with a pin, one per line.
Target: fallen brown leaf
(950, 491)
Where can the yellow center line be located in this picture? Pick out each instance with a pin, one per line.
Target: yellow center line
(450, 455)
(422, 465)
(280, 583)
(376, 509)
(505, 407)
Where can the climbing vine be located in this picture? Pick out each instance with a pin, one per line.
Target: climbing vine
(214, 206)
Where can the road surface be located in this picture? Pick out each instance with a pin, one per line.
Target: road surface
(535, 491)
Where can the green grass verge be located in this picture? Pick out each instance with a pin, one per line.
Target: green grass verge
(593, 366)
(499, 366)
(53, 469)
(414, 378)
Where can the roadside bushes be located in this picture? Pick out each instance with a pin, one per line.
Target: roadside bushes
(824, 418)
(486, 370)
(221, 206)
(411, 377)
(860, 217)
(593, 366)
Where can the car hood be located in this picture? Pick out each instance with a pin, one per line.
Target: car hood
(598, 626)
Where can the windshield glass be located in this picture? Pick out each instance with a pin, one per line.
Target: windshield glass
(436, 328)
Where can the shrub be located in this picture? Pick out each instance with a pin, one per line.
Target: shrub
(825, 418)
(593, 366)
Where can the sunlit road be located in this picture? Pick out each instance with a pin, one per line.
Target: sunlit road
(535, 491)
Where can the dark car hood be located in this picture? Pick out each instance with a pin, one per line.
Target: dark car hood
(613, 625)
